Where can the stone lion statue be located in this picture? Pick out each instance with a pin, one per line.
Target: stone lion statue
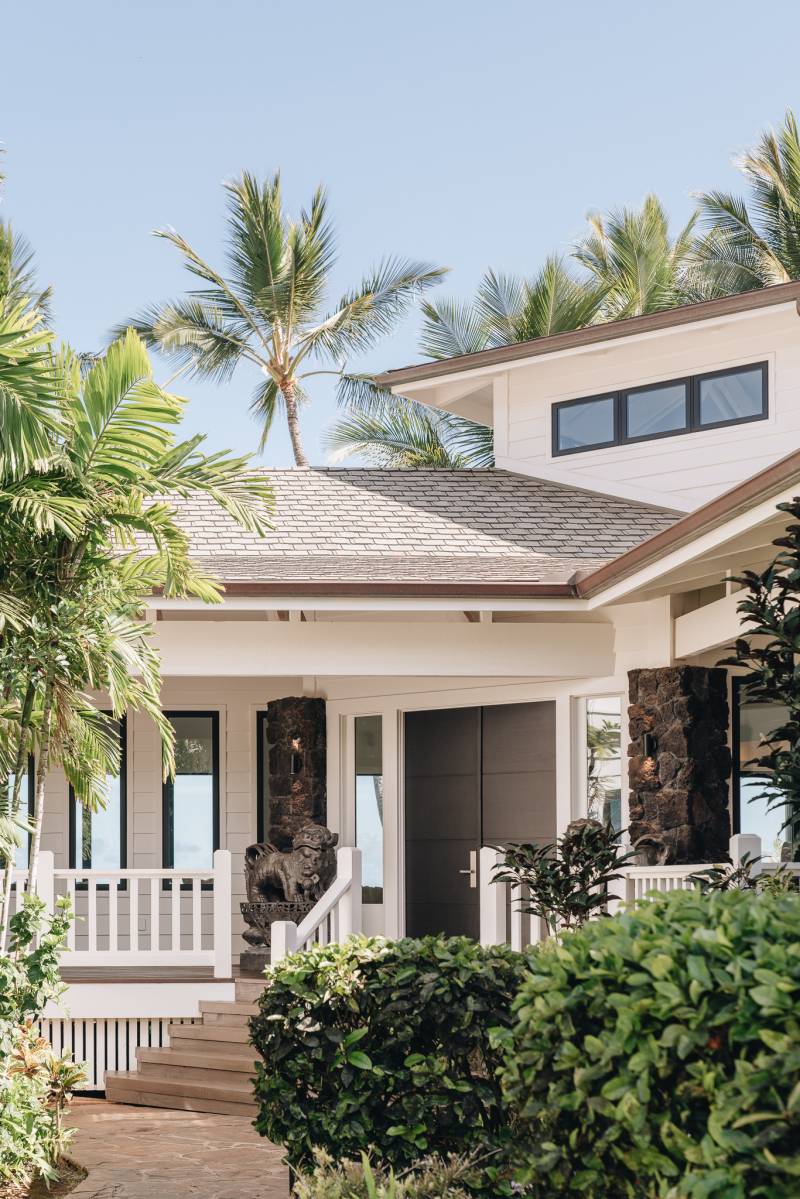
(297, 876)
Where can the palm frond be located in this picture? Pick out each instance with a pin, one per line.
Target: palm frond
(406, 434)
(451, 328)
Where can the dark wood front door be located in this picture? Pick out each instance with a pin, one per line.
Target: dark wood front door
(473, 776)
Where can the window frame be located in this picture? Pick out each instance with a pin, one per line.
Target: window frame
(261, 775)
(30, 774)
(693, 424)
(123, 811)
(737, 684)
(167, 831)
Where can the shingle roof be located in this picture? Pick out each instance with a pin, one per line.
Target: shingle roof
(420, 526)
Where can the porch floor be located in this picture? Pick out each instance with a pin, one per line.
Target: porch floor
(138, 1153)
(142, 974)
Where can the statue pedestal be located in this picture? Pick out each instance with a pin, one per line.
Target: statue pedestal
(259, 917)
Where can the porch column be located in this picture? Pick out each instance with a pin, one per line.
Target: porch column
(296, 733)
(679, 763)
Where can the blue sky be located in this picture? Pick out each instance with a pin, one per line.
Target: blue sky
(469, 133)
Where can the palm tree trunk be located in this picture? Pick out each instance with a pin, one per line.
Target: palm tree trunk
(290, 399)
(20, 770)
(42, 767)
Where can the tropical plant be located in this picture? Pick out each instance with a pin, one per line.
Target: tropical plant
(93, 535)
(755, 244)
(657, 1053)
(770, 617)
(34, 1082)
(566, 882)
(430, 1178)
(269, 308)
(637, 266)
(19, 290)
(383, 1046)
(401, 433)
(393, 431)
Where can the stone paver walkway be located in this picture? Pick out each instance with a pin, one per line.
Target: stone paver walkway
(153, 1153)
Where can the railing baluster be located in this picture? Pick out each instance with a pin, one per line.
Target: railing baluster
(197, 915)
(133, 914)
(112, 915)
(175, 934)
(155, 916)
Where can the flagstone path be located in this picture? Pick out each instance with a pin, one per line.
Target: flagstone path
(155, 1153)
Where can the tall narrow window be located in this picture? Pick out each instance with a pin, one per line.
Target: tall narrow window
(369, 804)
(22, 852)
(97, 840)
(752, 810)
(191, 799)
(603, 759)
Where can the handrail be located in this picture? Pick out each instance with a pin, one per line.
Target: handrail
(335, 916)
(112, 927)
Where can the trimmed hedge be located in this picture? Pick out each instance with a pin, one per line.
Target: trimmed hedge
(383, 1046)
(658, 1053)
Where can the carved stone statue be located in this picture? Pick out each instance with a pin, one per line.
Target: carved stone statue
(302, 873)
(652, 849)
(284, 886)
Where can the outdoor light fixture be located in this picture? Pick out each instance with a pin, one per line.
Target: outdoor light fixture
(649, 745)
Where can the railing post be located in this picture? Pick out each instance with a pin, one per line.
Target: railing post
(222, 913)
(45, 883)
(283, 941)
(744, 843)
(491, 898)
(348, 865)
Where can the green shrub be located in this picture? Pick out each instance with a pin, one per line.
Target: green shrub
(431, 1178)
(384, 1046)
(658, 1053)
(34, 1083)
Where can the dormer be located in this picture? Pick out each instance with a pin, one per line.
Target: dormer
(673, 408)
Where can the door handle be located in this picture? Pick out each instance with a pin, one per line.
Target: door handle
(473, 868)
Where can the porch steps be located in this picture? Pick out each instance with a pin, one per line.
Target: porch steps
(207, 1067)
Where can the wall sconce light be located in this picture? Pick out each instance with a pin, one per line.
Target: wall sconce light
(297, 755)
(649, 745)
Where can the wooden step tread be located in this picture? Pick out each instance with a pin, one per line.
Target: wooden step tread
(210, 1032)
(184, 1103)
(126, 1080)
(198, 1058)
(221, 1007)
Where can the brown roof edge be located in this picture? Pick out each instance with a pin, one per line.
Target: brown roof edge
(336, 588)
(687, 314)
(758, 487)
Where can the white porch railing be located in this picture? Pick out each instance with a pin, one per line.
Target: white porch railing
(333, 918)
(140, 917)
(501, 920)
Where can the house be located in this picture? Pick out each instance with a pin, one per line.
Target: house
(428, 660)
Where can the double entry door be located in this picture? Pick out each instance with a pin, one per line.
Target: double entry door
(473, 777)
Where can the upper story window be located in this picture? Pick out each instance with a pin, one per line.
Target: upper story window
(710, 401)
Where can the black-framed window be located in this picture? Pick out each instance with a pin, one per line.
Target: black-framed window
(22, 852)
(262, 778)
(99, 840)
(190, 800)
(713, 400)
(751, 812)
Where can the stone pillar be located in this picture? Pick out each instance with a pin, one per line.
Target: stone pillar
(297, 764)
(679, 762)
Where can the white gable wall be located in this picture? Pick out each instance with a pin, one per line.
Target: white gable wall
(688, 469)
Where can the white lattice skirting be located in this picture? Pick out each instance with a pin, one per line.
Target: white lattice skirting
(107, 1044)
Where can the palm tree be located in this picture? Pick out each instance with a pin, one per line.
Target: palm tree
(635, 262)
(398, 433)
(269, 308)
(18, 286)
(392, 431)
(70, 558)
(746, 248)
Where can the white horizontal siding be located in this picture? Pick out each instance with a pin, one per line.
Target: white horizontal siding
(691, 467)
